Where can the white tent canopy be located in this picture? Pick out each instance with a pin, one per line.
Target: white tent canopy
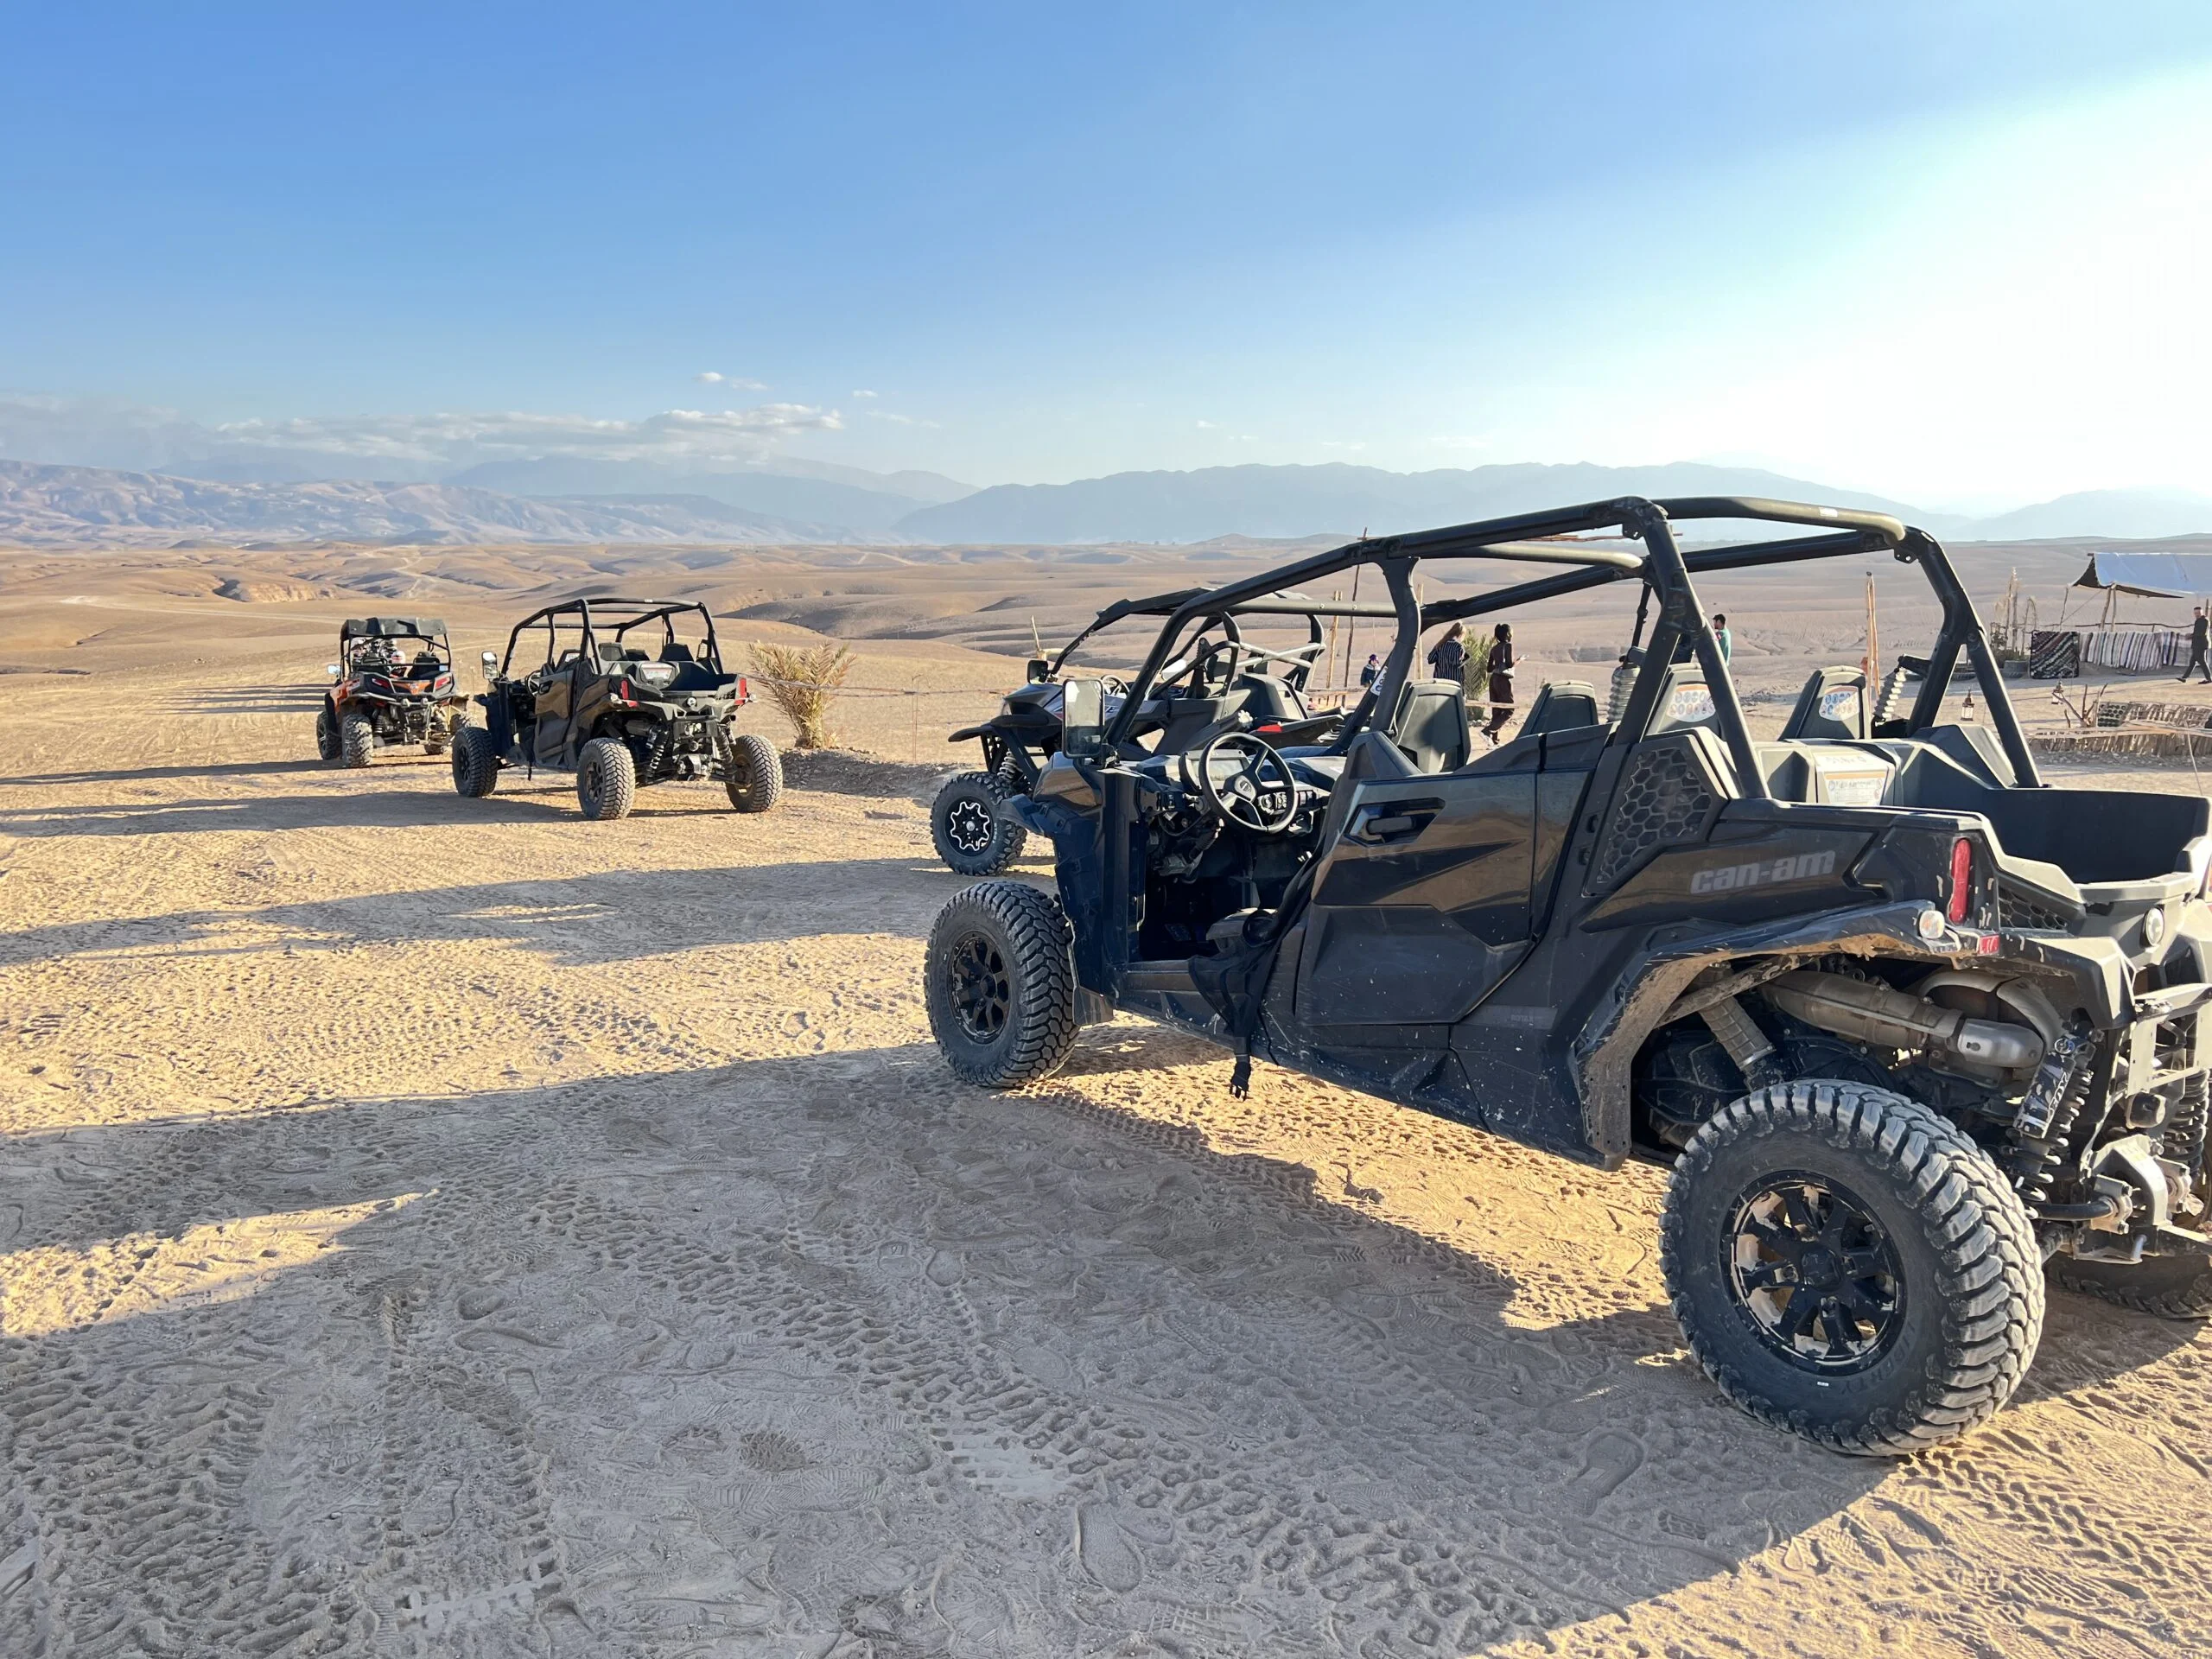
(2155, 575)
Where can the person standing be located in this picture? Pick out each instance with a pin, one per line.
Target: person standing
(1448, 656)
(1370, 670)
(2199, 632)
(1501, 680)
(1722, 638)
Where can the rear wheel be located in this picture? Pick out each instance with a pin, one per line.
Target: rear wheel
(357, 741)
(607, 778)
(999, 980)
(437, 731)
(2171, 1286)
(327, 745)
(971, 831)
(1847, 1266)
(475, 763)
(754, 773)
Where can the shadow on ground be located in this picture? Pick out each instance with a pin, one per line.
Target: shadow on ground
(607, 916)
(828, 1349)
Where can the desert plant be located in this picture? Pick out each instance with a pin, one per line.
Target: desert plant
(802, 680)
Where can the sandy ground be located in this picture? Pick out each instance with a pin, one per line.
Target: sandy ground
(432, 1226)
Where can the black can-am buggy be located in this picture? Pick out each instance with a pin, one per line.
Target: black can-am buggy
(1905, 1022)
(610, 689)
(1223, 675)
(393, 682)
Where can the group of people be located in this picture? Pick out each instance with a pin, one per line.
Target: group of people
(1489, 662)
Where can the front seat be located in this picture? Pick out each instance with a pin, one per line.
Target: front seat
(1431, 725)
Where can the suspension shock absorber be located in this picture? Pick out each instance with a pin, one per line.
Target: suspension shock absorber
(2049, 1112)
(2182, 1141)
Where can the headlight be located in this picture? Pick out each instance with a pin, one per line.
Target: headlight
(2154, 925)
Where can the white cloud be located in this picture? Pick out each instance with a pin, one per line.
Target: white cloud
(1208, 426)
(465, 440)
(87, 432)
(861, 392)
(735, 383)
(903, 420)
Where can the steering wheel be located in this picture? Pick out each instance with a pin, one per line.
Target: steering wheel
(1246, 783)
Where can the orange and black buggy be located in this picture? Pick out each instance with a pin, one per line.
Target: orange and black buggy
(393, 682)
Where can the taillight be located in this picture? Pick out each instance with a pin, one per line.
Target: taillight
(744, 691)
(1961, 880)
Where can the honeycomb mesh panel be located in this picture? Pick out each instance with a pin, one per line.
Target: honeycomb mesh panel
(2015, 907)
(1664, 798)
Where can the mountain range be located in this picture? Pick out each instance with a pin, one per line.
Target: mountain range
(572, 500)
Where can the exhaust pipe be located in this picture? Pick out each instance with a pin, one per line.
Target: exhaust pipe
(1869, 1012)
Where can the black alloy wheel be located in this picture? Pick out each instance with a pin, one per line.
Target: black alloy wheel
(969, 826)
(1813, 1273)
(982, 992)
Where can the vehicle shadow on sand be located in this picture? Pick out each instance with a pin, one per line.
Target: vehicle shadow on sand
(607, 916)
(1020, 1366)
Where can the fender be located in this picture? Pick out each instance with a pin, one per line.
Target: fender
(1605, 1052)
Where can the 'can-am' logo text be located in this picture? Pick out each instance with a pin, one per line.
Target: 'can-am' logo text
(1726, 878)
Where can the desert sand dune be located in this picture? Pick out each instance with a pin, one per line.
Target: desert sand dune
(447, 1227)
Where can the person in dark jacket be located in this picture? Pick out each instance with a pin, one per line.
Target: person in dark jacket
(1501, 680)
(2198, 632)
(1369, 671)
(1448, 656)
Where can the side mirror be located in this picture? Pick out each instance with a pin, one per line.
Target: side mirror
(491, 664)
(1040, 670)
(333, 669)
(1082, 717)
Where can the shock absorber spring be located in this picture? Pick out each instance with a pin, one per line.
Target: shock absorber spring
(2182, 1141)
(2049, 1112)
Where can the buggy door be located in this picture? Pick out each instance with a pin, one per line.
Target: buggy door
(569, 668)
(1421, 905)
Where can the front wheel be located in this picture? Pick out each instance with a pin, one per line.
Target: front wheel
(476, 762)
(999, 981)
(327, 745)
(972, 833)
(607, 778)
(753, 774)
(357, 741)
(1849, 1266)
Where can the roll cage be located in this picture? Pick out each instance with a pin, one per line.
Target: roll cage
(1271, 602)
(612, 617)
(1663, 567)
(357, 633)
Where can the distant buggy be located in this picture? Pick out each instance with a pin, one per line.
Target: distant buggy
(392, 683)
(624, 693)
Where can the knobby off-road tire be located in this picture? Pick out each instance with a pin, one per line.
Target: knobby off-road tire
(358, 740)
(476, 765)
(1922, 1313)
(755, 782)
(2171, 1286)
(327, 745)
(972, 832)
(437, 731)
(999, 981)
(607, 778)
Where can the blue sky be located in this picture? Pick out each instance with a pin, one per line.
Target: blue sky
(1956, 252)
